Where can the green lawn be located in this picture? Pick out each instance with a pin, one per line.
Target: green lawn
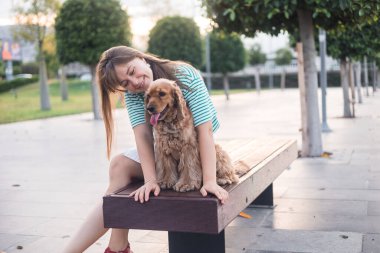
(26, 105)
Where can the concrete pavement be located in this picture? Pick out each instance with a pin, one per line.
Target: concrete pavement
(53, 171)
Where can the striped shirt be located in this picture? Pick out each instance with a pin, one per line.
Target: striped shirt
(197, 99)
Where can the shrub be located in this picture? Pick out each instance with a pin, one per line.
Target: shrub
(16, 83)
(30, 68)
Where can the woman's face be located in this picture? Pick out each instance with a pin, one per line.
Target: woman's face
(134, 76)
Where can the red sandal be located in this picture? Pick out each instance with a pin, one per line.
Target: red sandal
(127, 250)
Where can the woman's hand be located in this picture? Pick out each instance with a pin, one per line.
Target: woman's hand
(214, 188)
(142, 193)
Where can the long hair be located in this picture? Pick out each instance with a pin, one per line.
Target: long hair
(108, 82)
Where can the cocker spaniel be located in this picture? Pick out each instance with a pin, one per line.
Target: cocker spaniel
(178, 163)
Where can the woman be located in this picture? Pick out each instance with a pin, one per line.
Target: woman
(124, 69)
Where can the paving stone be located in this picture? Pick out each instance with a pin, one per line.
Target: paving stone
(17, 224)
(61, 172)
(338, 194)
(57, 227)
(258, 217)
(320, 206)
(47, 210)
(293, 241)
(154, 237)
(326, 182)
(371, 243)
(8, 241)
(374, 208)
(50, 197)
(325, 222)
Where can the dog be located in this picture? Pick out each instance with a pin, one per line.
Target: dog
(177, 156)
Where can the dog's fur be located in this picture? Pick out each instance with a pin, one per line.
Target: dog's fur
(178, 163)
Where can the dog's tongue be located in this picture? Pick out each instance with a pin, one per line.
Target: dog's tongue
(154, 119)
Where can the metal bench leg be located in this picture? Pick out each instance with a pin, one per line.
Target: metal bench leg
(180, 242)
(265, 198)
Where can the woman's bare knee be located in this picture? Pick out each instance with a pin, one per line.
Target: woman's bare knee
(121, 172)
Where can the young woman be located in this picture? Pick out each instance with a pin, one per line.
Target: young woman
(124, 69)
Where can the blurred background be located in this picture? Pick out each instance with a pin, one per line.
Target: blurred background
(49, 48)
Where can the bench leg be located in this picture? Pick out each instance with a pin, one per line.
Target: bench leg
(265, 198)
(181, 242)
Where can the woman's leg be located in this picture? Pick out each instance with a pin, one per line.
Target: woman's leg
(122, 170)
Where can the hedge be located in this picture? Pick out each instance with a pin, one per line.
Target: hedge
(291, 81)
(13, 84)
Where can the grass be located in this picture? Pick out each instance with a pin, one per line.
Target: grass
(25, 104)
(233, 91)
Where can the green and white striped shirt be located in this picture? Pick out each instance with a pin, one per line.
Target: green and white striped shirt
(197, 99)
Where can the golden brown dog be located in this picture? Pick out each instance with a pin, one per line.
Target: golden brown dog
(178, 163)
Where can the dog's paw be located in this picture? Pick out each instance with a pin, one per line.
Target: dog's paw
(227, 180)
(165, 185)
(181, 187)
(223, 181)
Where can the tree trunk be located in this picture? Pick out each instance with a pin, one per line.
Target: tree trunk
(301, 88)
(226, 86)
(314, 138)
(270, 79)
(283, 76)
(344, 82)
(257, 80)
(95, 94)
(358, 81)
(351, 82)
(366, 75)
(374, 76)
(63, 84)
(44, 88)
(378, 78)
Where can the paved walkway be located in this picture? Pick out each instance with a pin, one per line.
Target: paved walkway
(53, 171)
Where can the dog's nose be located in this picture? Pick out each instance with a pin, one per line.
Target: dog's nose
(151, 109)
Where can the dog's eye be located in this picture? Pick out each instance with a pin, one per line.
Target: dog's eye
(161, 94)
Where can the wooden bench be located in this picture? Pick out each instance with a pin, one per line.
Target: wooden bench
(196, 224)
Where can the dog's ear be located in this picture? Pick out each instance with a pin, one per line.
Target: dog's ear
(179, 102)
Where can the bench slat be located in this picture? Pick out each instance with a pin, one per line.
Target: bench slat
(190, 212)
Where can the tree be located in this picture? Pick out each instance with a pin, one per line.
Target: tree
(86, 28)
(273, 16)
(256, 56)
(348, 44)
(283, 56)
(176, 38)
(49, 49)
(227, 55)
(53, 65)
(34, 17)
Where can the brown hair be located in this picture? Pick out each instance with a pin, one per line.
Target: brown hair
(108, 82)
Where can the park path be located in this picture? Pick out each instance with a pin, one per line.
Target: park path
(53, 171)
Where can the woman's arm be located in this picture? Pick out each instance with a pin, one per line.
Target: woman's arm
(208, 161)
(144, 142)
